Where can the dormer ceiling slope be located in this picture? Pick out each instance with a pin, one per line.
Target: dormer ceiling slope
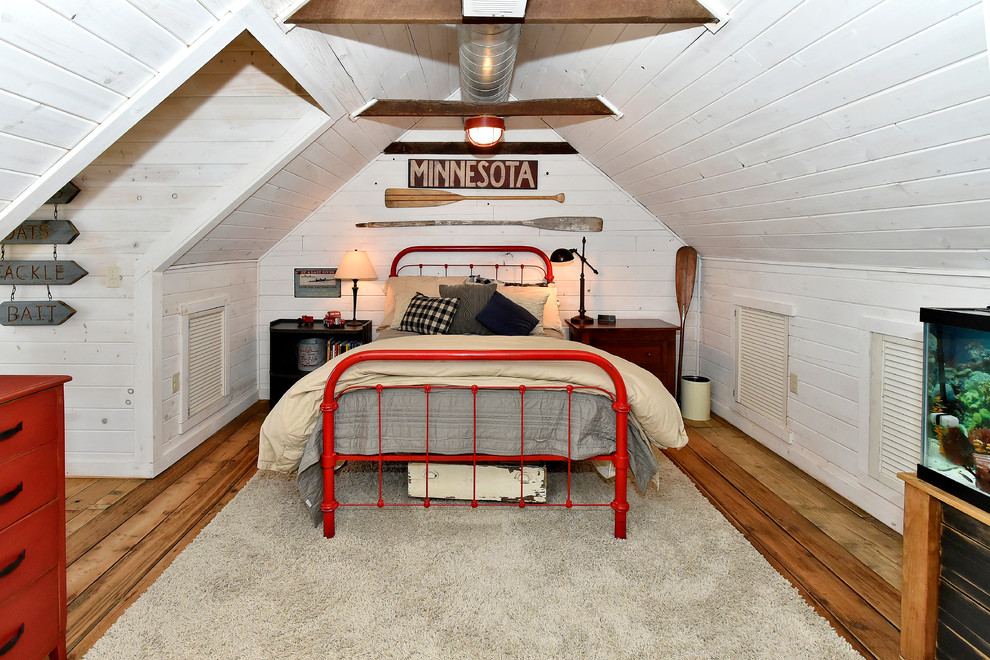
(801, 131)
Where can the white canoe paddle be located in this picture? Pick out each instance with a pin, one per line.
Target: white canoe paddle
(397, 198)
(561, 223)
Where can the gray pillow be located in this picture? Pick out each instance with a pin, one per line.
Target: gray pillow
(473, 298)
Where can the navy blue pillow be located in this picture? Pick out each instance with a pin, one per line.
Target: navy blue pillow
(504, 317)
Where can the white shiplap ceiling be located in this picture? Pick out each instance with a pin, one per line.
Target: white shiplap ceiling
(809, 131)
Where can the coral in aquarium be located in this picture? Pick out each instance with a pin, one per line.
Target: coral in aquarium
(981, 440)
(983, 478)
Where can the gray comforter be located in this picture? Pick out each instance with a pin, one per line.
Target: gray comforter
(451, 429)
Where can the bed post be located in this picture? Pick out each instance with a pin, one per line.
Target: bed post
(621, 463)
(328, 461)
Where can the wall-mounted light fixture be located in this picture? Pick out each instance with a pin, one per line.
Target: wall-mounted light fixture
(484, 131)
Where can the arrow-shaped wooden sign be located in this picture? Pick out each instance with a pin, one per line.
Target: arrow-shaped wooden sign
(46, 232)
(41, 272)
(35, 312)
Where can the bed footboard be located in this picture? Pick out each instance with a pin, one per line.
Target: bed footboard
(619, 458)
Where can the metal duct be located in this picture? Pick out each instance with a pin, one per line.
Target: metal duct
(487, 56)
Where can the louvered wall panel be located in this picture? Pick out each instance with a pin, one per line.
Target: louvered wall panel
(898, 406)
(761, 373)
(205, 360)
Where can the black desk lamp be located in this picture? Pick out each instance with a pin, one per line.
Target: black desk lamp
(356, 265)
(563, 255)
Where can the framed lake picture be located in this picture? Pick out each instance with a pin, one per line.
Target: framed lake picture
(316, 283)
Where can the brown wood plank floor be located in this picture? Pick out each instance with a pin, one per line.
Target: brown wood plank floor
(838, 565)
(122, 533)
(132, 529)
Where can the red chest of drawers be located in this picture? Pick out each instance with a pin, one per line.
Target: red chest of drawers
(32, 517)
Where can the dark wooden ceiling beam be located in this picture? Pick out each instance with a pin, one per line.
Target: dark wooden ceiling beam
(537, 11)
(617, 11)
(530, 108)
(466, 149)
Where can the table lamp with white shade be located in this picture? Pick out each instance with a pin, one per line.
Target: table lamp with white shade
(355, 265)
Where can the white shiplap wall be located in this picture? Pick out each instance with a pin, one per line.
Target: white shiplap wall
(840, 148)
(421, 59)
(136, 198)
(835, 310)
(65, 67)
(852, 133)
(634, 253)
(95, 346)
(236, 284)
(295, 191)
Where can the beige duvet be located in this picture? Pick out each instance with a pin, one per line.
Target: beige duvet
(290, 423)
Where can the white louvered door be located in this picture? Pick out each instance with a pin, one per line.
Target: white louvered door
(205, 368)
(761, 363)
(896, 406)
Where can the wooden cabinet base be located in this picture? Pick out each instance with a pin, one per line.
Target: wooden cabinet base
(925, 508)
(649, 343)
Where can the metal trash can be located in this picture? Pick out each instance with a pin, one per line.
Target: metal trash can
(311, 353)
(696, 398)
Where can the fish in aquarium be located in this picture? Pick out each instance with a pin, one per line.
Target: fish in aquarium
(958, 395)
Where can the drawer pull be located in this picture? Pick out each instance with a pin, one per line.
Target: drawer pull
(13, 642)
(11, 432)
(12, 494)
(12, 566)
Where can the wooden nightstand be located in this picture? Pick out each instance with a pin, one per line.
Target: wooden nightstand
(650, 343)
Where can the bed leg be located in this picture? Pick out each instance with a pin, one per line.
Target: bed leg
(621, 504)
(621, 462)
(620, 519)
(620, 525)
(330, 504)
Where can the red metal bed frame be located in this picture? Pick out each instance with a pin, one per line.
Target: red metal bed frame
(330, 457)
(547, 268)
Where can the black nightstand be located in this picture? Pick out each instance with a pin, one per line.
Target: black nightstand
(284, 334)
(650, 343)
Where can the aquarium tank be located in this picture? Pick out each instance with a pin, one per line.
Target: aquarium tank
(956, 446)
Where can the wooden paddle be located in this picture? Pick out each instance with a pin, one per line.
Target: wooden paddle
(397, 198)
(685, 271)
(561, 223)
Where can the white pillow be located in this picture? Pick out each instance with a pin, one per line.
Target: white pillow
(551, 312)
(533, 299)
(399, 291)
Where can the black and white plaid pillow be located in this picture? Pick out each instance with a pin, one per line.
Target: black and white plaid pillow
(428, 316)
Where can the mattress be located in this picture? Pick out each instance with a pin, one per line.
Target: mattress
(588, 431)
(292, 429)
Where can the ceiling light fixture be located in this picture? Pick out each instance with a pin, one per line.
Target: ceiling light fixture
(484, 131)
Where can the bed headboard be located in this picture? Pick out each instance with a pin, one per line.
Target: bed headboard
(546, 268)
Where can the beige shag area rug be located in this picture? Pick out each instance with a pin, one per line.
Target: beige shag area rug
(260, 582)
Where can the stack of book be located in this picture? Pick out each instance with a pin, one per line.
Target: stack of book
(336, 347)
